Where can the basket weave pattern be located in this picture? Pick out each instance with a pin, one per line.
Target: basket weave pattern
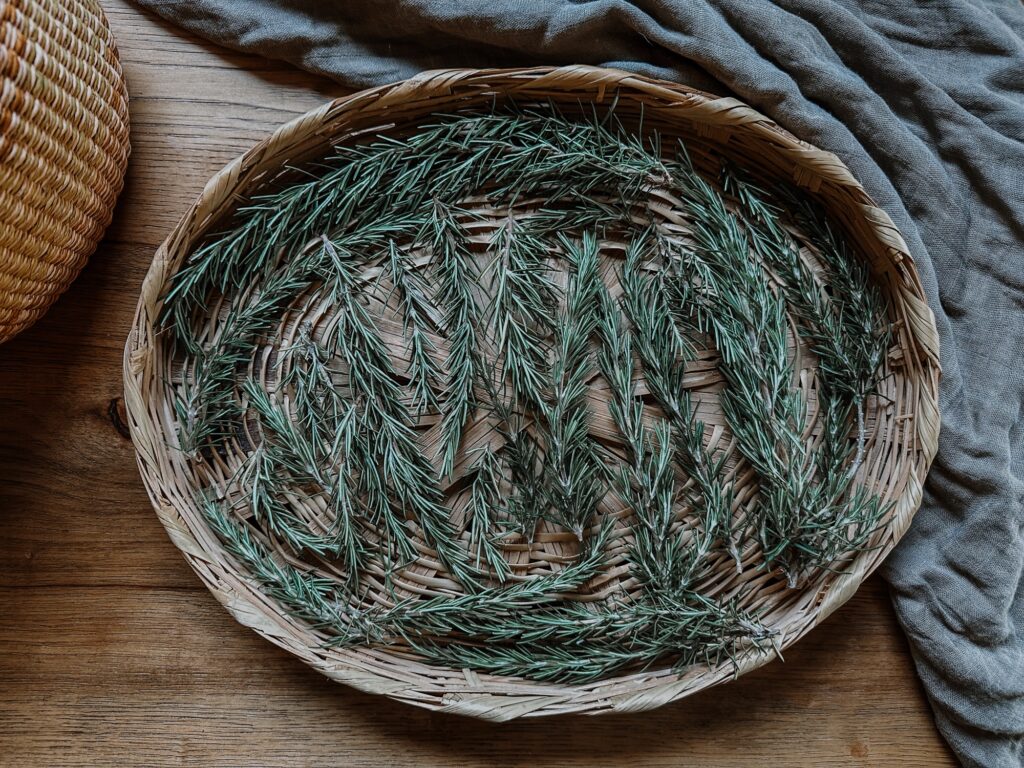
(63, 148)
(904, 424)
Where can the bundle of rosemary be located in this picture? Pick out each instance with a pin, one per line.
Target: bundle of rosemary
(443, 391)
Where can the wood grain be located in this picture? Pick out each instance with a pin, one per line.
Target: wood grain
(113, 654)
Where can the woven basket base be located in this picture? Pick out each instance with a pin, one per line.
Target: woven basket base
(903, 419)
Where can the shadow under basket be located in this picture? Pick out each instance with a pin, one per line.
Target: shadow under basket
(900, 420)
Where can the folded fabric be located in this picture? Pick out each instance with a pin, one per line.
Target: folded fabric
(925, 103)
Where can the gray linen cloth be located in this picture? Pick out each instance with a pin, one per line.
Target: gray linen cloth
(925, 103)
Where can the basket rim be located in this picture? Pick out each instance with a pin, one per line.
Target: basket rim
(812, 167)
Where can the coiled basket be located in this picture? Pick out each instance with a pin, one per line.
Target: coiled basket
(63, 149)
(902, 419)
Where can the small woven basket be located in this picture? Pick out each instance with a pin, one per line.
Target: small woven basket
(903, 423)
(63, 149)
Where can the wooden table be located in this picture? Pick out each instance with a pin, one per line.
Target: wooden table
(111, 651)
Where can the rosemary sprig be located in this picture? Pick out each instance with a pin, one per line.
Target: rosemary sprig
(521, 453)
(484, 503)
(664, 347)
(286, 451)
(577, 643)
(849, 342)
(423, 371)
(749, 326)
(736, 307)
(206, 406)
(457, 279)
(520, 311)
(308, 598)
(396, 477)
(572, 467)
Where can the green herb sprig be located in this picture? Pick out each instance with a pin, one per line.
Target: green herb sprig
(492, 239)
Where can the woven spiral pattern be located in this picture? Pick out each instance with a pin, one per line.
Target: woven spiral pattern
(902, 419)
(63, 148)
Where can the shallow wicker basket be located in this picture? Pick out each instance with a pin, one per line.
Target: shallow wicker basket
(63, 149)
(903, 422)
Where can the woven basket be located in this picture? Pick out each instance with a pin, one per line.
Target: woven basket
(904, 422)
(63, 149)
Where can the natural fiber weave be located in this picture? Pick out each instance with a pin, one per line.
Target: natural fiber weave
(63, 148)
(902, 420)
